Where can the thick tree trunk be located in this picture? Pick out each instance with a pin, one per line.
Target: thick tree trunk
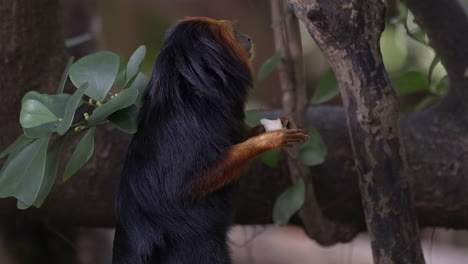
(32, 57)
(348, 32)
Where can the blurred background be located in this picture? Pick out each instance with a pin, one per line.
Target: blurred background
(123, 25)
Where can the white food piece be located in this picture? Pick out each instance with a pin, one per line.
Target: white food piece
(271, 124)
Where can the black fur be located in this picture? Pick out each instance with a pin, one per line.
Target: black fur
(193, 111)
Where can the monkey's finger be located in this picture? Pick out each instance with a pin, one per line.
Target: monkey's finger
(294, 131)
(296, 137)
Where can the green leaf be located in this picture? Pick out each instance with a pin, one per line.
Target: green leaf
(133, 65)
(55, 103)
(326, 89)
(99, 70)
(70, 109)
(120, 79)
(393, 48)
(22, 206)
(442, 86)
(411, 82)
(65, 75)
(40, 131)
(125, 98)
(21, 142)
(434, 63)
(126, 119)
(129, 82)
(34, 113)
(269, 65)
(288, 203)
(314, 151)
(23, 174)
(252, 118)
(50, 173)
(140, 83)
(271, 158)
(81, 154)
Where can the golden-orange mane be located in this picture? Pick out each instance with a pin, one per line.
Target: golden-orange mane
(223, 32)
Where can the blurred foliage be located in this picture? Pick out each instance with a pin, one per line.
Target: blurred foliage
(314, 151)
(326, 89)
(269, 65)
(288, 203)
(413, 67)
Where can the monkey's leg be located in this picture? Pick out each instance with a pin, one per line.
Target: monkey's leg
(238, 156)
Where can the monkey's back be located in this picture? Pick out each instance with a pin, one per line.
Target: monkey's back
(171, 150)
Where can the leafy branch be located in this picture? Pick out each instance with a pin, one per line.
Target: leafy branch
(32, 160)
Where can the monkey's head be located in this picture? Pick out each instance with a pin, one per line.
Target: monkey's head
(226, 32)
(245, 41)
(206, 59)
(200, 30)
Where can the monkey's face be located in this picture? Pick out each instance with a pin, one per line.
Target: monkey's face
(245, 41)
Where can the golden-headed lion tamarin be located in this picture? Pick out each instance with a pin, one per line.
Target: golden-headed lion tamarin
(174, 196)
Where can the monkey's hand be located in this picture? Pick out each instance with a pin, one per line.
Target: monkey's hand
(288, 122)
(277, 138)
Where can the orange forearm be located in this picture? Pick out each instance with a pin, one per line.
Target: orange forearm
(237, 157)
(227, 169)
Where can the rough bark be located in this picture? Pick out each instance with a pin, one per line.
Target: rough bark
(436, 144)
(32, 56)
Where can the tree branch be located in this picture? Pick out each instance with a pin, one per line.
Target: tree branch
(437, 149)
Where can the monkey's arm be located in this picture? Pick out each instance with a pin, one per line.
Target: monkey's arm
(238, 156)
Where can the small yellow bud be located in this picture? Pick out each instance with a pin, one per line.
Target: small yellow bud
(98, 103)
(78, 128)
(86, 116)
(90, 101)
(116, 94)
(60, 119)
(112, 96)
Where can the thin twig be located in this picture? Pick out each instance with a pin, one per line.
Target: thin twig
(411, 35)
